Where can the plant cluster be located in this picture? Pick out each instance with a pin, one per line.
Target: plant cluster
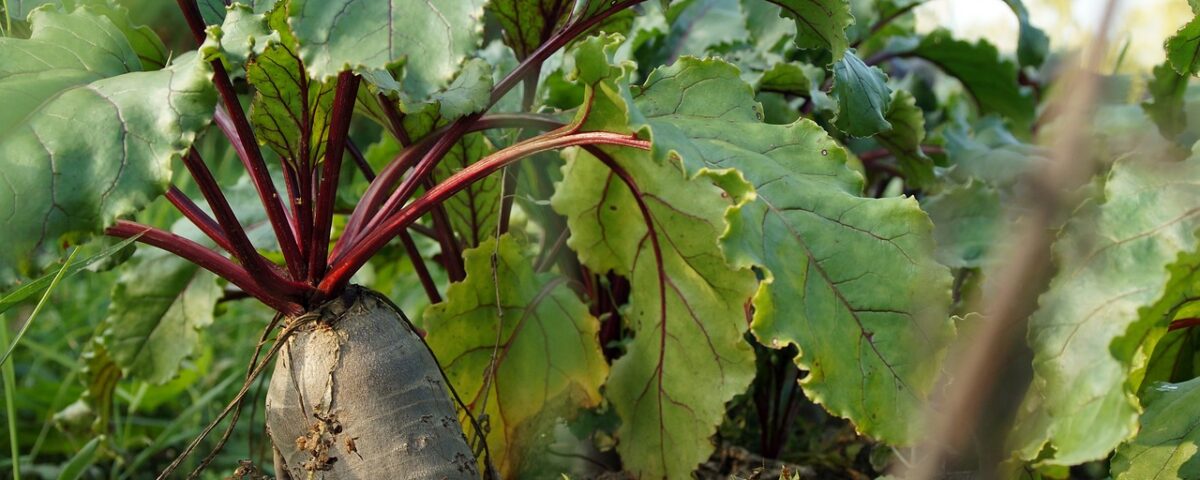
(614, 217)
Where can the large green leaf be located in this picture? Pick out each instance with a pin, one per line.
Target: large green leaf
(819, 23)
(832, 258)
(851, 280)
(1166, 445)
(547, 360)
(989, 79)
(158, 305)
(430, 37)
(77, 69)
(686, 309)
(1107, 306)
(863, 97)
(687, 304)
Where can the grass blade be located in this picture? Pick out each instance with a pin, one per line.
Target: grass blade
(10, 407)
(31, 288)
(81, 461)
(36, 309)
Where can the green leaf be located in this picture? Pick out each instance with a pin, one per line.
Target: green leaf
(430, 37)
(862, 95)
(904, 139)
(213, 11)
(529, 23)
(18, 10)
(547, 359)
(687, 304)
(1165, 446)
(1183, 48)
(1032, 42)
(137, 122)
(812, 232)
(767, 25)
(100, 375)
(851, 280)
(788, 78)
(1165, 106)
(82, 459)
(1107, 306)
(965, 223)
(470, 92)
(819, 23)
(145, 42)
(290, 111)
(244, 34)
(700, 25)
(475, 211)
(687, 322)
(157, 307)
(989, 79)
(989, 153)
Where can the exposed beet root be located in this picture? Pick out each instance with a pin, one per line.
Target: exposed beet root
(356, 395)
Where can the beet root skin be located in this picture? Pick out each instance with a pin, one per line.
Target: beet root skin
(356, 395)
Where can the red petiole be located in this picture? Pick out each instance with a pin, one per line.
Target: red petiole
(308, 277)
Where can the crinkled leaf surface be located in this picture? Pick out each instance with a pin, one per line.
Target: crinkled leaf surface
(863, 97)
(1166, 444)
(157, 307)
(468, 93)
(78, 69)
(819, 23)
(1109, 299)
(687, 304)
(243, 34)
(870, 342)
(548, 359)
(430, 37)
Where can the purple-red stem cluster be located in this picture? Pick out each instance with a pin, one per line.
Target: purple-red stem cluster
(311, 272)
